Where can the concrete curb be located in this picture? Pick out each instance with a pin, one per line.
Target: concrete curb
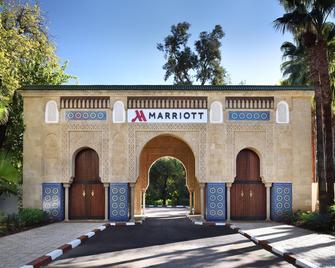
(52, 255)
(279, 251)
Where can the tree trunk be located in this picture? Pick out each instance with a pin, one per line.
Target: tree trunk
(314, 72)
(327, 117)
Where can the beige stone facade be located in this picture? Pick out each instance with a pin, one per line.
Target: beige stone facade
(285, 150)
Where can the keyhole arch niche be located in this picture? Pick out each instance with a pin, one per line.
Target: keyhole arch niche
(161, 146)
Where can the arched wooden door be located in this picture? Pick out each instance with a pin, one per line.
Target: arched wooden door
(87, 196)
(248, 200)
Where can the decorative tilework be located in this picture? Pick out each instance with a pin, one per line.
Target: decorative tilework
(249, 116)
(216, 201)
(118, 200)
(53, 200)
(281, 200)
(85, 115)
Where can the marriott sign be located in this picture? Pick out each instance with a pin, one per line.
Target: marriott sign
(167, 115)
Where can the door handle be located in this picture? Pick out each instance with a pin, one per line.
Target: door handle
(242, 194)
(84, 193)
(92, 193)
(250, 194)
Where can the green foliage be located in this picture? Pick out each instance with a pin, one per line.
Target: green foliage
(181, 61)
(9, 176)
(32, 216)
(313, 220)
(27, 56)
(167, 183)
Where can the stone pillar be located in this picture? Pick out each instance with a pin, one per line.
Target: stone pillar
(202, 200)
(106, 185)
(66, 205)
(143, 202)
(268, 201)
(228, 201)
(132, 201)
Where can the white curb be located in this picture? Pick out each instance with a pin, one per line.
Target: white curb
(55, 254)
(198, 222)
(90, 234)
(102, 227)
(130, 223)
(27, 266)
(279, 250)
(75, 243)
(306, 264)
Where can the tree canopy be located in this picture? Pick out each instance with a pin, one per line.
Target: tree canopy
(186, 65)
(167, 181)
(27, 56)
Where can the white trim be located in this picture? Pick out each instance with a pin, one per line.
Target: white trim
(75, 243)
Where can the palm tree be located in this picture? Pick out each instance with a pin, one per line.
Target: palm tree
(295, 66)
(307, 20)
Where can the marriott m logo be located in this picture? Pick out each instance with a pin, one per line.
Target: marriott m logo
(140, 116)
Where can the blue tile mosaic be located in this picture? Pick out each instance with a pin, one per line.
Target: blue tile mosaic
(85, 115)
(281, 200)
(216, 202)
(53, 200)
(249, 116)
(118, 202)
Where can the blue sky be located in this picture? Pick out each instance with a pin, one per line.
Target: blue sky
(114, 41)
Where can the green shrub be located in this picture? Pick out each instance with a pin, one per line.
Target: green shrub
(159, 202)
(32, 216)
(169, 202)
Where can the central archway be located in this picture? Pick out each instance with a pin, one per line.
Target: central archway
(156, 148)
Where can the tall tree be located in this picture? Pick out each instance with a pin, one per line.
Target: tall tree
(307, 20)
(184, 65)
(27, 56)
(179, 57)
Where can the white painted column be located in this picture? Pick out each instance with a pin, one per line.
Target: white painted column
(66, 205)
(228, 201)
(143, 202)
(268, 201)
(132, 201)
(202, 200)
(106, 186)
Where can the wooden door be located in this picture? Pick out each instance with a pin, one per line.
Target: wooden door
(248, 199)
(87, 196)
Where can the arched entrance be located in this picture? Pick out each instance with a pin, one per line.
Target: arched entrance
(158, 147)
(87, 197)
(248, 195)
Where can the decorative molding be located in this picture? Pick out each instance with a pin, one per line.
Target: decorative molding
(84, 134)
(267, 158)
(118, 199)
(249, 115)
(53, 200)
(193, 134)
(85, 115)
(281, 200)
(216, 202)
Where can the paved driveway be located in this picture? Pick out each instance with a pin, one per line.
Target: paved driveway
(168, 239)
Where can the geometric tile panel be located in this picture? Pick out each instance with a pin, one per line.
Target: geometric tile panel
(118, 202)
(249, 116)
(216, 202)
(85, 115)
(53, 200)
(281, 200)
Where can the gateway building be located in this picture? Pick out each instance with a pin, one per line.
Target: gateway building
(247, 150)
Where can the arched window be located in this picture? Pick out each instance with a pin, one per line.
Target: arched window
(119, 113)
(282, 113)
(51, 112)
(216, 114)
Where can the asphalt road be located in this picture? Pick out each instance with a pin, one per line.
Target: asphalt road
(168, 239)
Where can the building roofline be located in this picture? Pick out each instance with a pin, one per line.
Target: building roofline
(169, 87)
